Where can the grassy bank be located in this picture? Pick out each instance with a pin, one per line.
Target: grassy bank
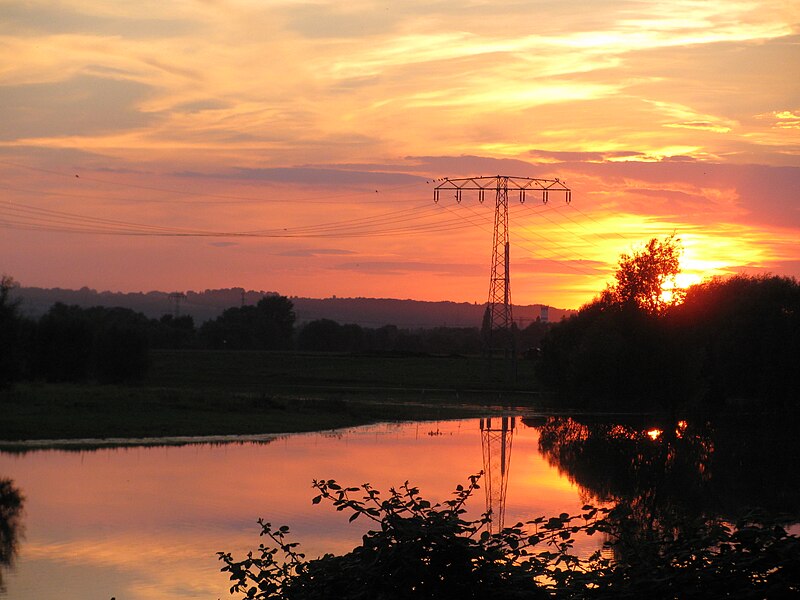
(227, 393)
(276, 371)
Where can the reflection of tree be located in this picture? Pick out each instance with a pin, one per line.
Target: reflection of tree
(10, 524)
(668, 476)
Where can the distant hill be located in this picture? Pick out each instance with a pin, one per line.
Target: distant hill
(367, 312)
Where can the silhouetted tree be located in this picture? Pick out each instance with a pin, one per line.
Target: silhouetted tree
(747, 332)
(325, 335)
(642, 277)
(619, 349)
(486, 330)
(173, 333)
(730, 339)
(120, 344)
(382, 339)
(11, 504)
(530, 338)
(353, 337)
(109, 345)
(12, 334)
(63, 344)
(275, 322)
(268, 325)
(320, 335)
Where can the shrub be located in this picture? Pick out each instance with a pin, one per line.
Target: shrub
(423, 550)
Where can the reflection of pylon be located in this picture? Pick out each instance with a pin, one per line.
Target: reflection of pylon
(496, 444)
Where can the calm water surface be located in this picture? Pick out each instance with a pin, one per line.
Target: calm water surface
(144, 523)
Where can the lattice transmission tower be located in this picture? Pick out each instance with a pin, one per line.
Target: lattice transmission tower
(175, 299)
(497, 327)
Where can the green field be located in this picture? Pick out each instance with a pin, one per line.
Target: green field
(227, 393)
(278, 371)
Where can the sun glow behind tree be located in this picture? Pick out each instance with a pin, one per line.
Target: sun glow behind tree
(648, 278)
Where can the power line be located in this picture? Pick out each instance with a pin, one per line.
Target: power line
(557, 224)
(403, 221)
(575, 208)
(221, 198)
(559, 260)
(363, 221)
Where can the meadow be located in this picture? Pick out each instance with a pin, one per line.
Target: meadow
(206, 392)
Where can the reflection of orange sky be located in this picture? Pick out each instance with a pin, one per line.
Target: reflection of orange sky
(151, 520)
(659, 124)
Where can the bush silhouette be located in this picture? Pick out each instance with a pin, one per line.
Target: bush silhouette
(421, 550)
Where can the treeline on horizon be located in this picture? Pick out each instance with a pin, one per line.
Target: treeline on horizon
(209, 303)
(111, 345)
(726, 340)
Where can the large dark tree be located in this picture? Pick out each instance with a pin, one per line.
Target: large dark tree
(11, 334)
(329, 336)
(619, 348)
(266, 326)
(275, 319)
(646, 278)
(725, 340)
(120, 344)
(746, 330)
(11, 505)
(63, 344)
(109, 345)
(170, 332)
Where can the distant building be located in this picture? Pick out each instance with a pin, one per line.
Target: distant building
(544, 314)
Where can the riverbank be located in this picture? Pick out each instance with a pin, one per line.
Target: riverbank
(201, 393)
(46, 411)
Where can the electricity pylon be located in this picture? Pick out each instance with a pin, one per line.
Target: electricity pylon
(496, 446)
(176, 298)
(498, 320)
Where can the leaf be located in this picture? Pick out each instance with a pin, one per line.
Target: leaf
(553, 523)
(353, 517)
(316, 499)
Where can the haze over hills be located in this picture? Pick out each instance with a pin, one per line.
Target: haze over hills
(208, 304)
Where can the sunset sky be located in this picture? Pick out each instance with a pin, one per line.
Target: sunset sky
(294, 146)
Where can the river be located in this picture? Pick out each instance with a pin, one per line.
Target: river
(145, 522)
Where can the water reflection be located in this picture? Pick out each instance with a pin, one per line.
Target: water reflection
(665, 472)
(11, 501)
(497, 436)
(144, 523)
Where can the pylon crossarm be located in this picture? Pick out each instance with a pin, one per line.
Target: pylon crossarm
(497, 182)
